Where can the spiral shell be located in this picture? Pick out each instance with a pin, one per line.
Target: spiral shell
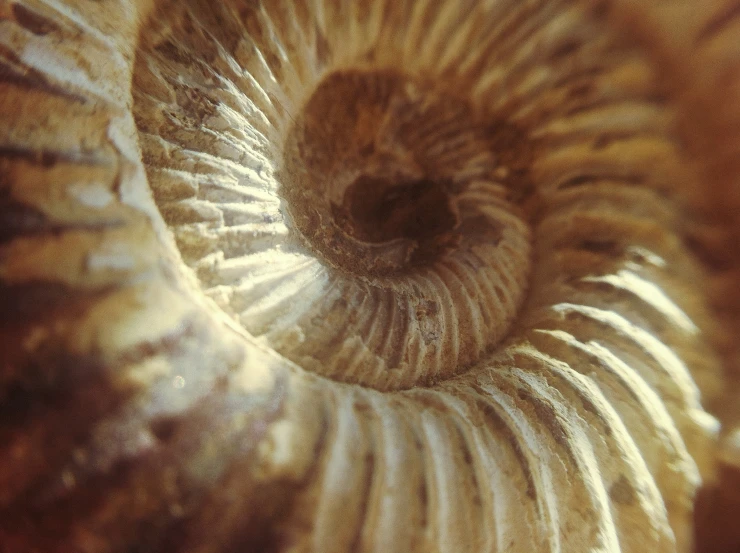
(356, 276)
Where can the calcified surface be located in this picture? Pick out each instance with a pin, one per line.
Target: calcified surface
(358, 276)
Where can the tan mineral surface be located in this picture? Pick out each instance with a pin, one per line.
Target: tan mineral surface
(381, 276)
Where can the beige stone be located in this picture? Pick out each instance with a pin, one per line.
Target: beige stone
(384, 275)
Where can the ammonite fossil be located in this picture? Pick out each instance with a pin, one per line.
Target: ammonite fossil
(379, 275)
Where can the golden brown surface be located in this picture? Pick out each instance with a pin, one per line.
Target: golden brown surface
(369, 276)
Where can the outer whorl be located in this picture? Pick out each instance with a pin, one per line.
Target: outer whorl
(340, 276)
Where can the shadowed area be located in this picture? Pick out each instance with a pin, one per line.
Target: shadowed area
(375, 210)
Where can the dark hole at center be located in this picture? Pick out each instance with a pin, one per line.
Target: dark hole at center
(376, 211)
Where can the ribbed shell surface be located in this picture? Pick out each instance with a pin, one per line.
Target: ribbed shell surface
(201, 357)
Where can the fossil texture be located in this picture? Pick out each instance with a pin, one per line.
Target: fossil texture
(337, 276)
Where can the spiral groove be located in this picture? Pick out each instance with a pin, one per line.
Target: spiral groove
(413, 279)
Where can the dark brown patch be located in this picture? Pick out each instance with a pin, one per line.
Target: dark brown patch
(427, 308)
(511, 144)
(169, 344)
(43, 421)
(378, 211)
(17, 219)
(172, 52)
(369, 462)
(322, 46)
(49, 158)
(140, 490)
(622, 491)
(710, 247)
(609, 248)
(198, 104)
(581, 90)
(34, 22)
(719, 22)
(599, 8)
(715, 515)
(546, 414)
(422, 491)
(589, 406)
(470, 470)
(423, 495)
(398, 340)
(164, 428)
(515, 151)
(565, 49)
(16, 73)
(48, 528)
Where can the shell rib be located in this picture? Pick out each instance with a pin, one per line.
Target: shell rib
(338, 276)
